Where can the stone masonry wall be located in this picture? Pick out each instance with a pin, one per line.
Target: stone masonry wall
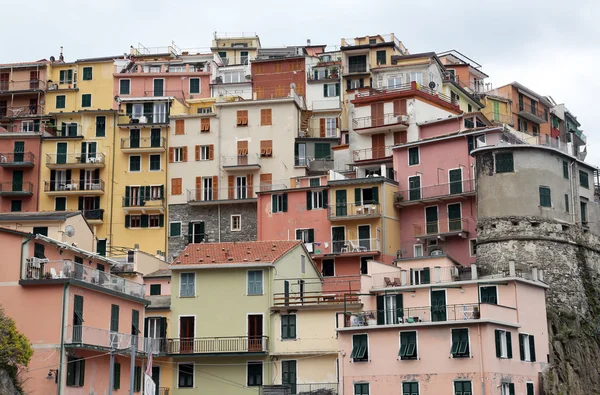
(569, 255)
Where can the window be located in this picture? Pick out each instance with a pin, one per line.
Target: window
(413, 156)
(204, 123)
(66, 77)
(565, 169)
(328, 267)
(155, 162)
(100, 126)
(394, 81)
(527, 347)
(176, 186)
(503, 344)
(61, 101)
(137, 379)
(242, 118)
(355, 84)
(302, 269)
(116, 376)
(462, 388)
(305, 235)
(255, 373)
(331, 90)
(255, 282)
(154, 221)
(60, 204)
(86, 100)
(460, 343)
(410, 388)
(566, 202)
(179, 127)
(185, 373)
(266, 117)
(175, 229)
(16, 205)
(75, 372)
(545, 197)
(583, 208)
(288, 326)
(408, 345)
(187, 288)
(315, 182)
(266, 148)
(583, 179)
(135, 163)
(361, 388)
(87, 73)
(507, 389)
(420, 276)
(124, 87)
(236, 223)
(317, 199)
(330, 127)
(135, 221)
(322, 151)
(177, 154)
(473, 247)
(360, 348)
(204, 152)
(154, 289)
(417, 77)
(417, 250)
(279, 203)
(470, 108)
(535, 130)
(27, 126)
(380, 57)
(207, 188)
(194, 85)
(504, 163)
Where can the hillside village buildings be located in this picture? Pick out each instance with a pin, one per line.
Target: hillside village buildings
(288, 220)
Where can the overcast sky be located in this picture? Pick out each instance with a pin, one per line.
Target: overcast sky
(547, 45)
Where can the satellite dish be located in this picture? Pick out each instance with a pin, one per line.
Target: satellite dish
(292, 86)
(117, 98)
(70, 230)
(436, 252)
(432, 85)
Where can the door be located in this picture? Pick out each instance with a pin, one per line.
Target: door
(288, 375)
(454, 217)
(301, 155)
(19, 154)
(4, 77)
(61, 153)
(455, 177)
(160, 113)
(114, 319)
(198, 229)
(155, 138)
(286, 292)
(255, 332)
(33, 108)
(241, 190)
(17, 184)
(338, 238)
(34, 82)
(431, 220)
(186, 334)
(364, 237)
(134, 138)
(156, 378)
(414, 188)
(438, 305)
(88, 150)
(341, 207)
(376, 114)
(377, 146)
(159, 85)
(242, 151)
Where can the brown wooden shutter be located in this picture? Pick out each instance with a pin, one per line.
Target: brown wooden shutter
(179, 127)
(265, 181)
(198, 189)
(230, 186)
(263, 148)
(396, 108)
(376, 114)
(211, 152)
(403, 107)
(269, 147)
(378, 145)
(239, 117)
(250, 179)
(215, 187)
(322, 127)
(176, 186)
(197, 153)
(399, 138)
(184, 154)
(205, 124)
(171, 154)
(337, 123)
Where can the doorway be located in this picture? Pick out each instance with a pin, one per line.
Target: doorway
(255, 332)
(186, 334)
(438, 305)
(364, 237)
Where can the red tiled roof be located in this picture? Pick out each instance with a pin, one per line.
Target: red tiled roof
(235, 253)
(42, 61)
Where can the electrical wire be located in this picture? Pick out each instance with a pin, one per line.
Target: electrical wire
(65, 363)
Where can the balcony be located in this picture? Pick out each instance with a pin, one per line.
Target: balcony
(143, 119)
(25, 111)
(345, 211)
(26, 86)
(40, 271)
(94, 216)
(323, 74)
(441, 229)
(74, 187)
(387, 122)
(531, 113)
(497, 118)
(75, 161)
(407, 90)
(143, 145)
(373, 154)
(241, 162)
(356, 247)
(17, 160)
(218, 345)
(355, 69)
(320, 166)
(435, 193)
(316, 389)
(10, 188)
(66, 131)
(313, 298)
(437, 275)
(143, 206)
(206, 197)
(81, 336)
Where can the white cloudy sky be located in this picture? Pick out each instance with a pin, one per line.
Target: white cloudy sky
(549, 45)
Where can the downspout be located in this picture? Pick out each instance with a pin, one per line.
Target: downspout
(481, 360)
(220, 181)
(112, 185)
(62, 340)
(573, 206)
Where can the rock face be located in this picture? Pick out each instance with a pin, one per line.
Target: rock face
(569, 256)
(6, 385)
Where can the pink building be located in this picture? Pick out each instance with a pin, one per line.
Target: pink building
(430, 327)
(436, 191)
(74, 311)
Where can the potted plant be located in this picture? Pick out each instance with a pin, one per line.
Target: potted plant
(249, 77)
(333, 72)
(399, 198)
(47, 276)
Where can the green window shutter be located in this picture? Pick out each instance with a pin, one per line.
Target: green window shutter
(117, 376)
(60, 204)
(311, 235)
(137, 383)
(380, 310)
(325, 194)
(175, 229)
(337, 89)
(531, 348)
(100, 126)
(274, 203)
(127, 194)
(375, 194)
(162, 192)
(508, 345)
(399, 306)
(124, 89)
(413, 156)
(357, 196)
(190, 232)
(545, 197)
(129, 109)
(504, 163)
(285, 203)
(325, 90)
(498, 343)
(511, 389)
(78, 308)
(86, 100)
(583, 179)
(71, 372)
(565, 169)
(161, 220)
(127, 221)
(566, 202)
(530, 390)
(81, 372)
(292, 326)
(60, 101)
(522, 346)
(309, 200)
(194, 85)
(144, 221)
(114, 318)
(135, 322)
(426, 276)
(284, 327)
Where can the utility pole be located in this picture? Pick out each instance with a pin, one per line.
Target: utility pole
(134, 340)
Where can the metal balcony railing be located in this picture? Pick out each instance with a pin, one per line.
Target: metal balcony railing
(413, 195)
(355, 246)
(25, 85)
(75, 159)
(23, 111)
(317, 389)
(374, 122)
(14, 158)
(412, 315)
(71, 130)
(241, 160)
(437, 275)
(349, 210)
(372, 153)
(442, 226)
(73, 185)
(42, 269)
(527, 109)
(81, 335)
(218, 345)
(94, 215)
(144, 118)
(313, 298)
(143, 143)
(412, 87)
(216, 194)
(355, 68)
(12, 187)
(141, 201)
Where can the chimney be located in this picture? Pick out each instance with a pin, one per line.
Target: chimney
(61, 58)
(308, 42)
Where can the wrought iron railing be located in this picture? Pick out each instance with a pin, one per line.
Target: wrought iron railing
(73, 185)
(12, 158)
(411, 315)
(349, 210)
(412, 195)
(218, 345)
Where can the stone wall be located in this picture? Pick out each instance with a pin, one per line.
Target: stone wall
(210, 215)
(569, 255)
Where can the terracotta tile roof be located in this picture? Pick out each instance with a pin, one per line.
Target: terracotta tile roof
(232, 253)
(43, 61)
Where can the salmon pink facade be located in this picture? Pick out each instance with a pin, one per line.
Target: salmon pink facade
(19, 171)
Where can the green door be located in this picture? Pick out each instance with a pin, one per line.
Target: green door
(61, 153)
(19, 153)
(134, 138)
(496, 106)
(414, 186)
(341, 209)
(159, 85)
(431, 220)
(454, 220)
(438, 305)
(155, 138)
(364, 237)
(17, 184)
(288, 375)
(455, 181)
(338, 238)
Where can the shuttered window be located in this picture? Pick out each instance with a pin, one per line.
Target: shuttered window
(124, 87)
(188, 285)
(460, 343)
(361, 388)
(413, 156)
(503, 344)
(504, 163)
(489, 295)
(462, 388)
(288, 326)
(255, 282)
(360, 348)
(255, 373)
(61, 101)
(408, 345)
(194, 85)
(116, 376)
(266, 117)
(87, 73)
(583, 179)
(545, 197)
(86, 100)
(527, 347)
(410, 388)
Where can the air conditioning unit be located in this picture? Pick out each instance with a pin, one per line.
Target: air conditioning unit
(37, 262)
(454, 272)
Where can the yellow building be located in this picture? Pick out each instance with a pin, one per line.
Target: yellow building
(79, 143)
(497, 109)
(235, 48)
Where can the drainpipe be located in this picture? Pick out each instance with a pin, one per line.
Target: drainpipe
(573, 206)
(112, 181)
(62, 340)
(481, 359)
(220, 180)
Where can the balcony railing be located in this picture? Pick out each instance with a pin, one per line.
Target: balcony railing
(355, 246)
(499, 118)
(355, 68)
(218, 345)
(385, 120)
(433, 192)
(81, 335)
(26, 85)
(412, 87)
(532, 113)
(40, 269)
(317, 389)
(443, 226)
(252, 160)
(140, 201)
(24, 111)
(74, 185)
(144, 118)
(437, 275)
(412, 315)
(351, 210)
(71, 130)
(8, 188)
(313, 298)
(143, 143)
(372, 153)
(94, 215)
(14, 159)
(83, 159)
(207, 195)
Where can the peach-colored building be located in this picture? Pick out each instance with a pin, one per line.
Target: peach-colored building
(430, 326)
(74, 312)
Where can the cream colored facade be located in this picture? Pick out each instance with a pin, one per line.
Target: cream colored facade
(235, 48)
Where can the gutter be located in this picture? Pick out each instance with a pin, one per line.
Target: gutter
(62, 340)
(112, 181)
